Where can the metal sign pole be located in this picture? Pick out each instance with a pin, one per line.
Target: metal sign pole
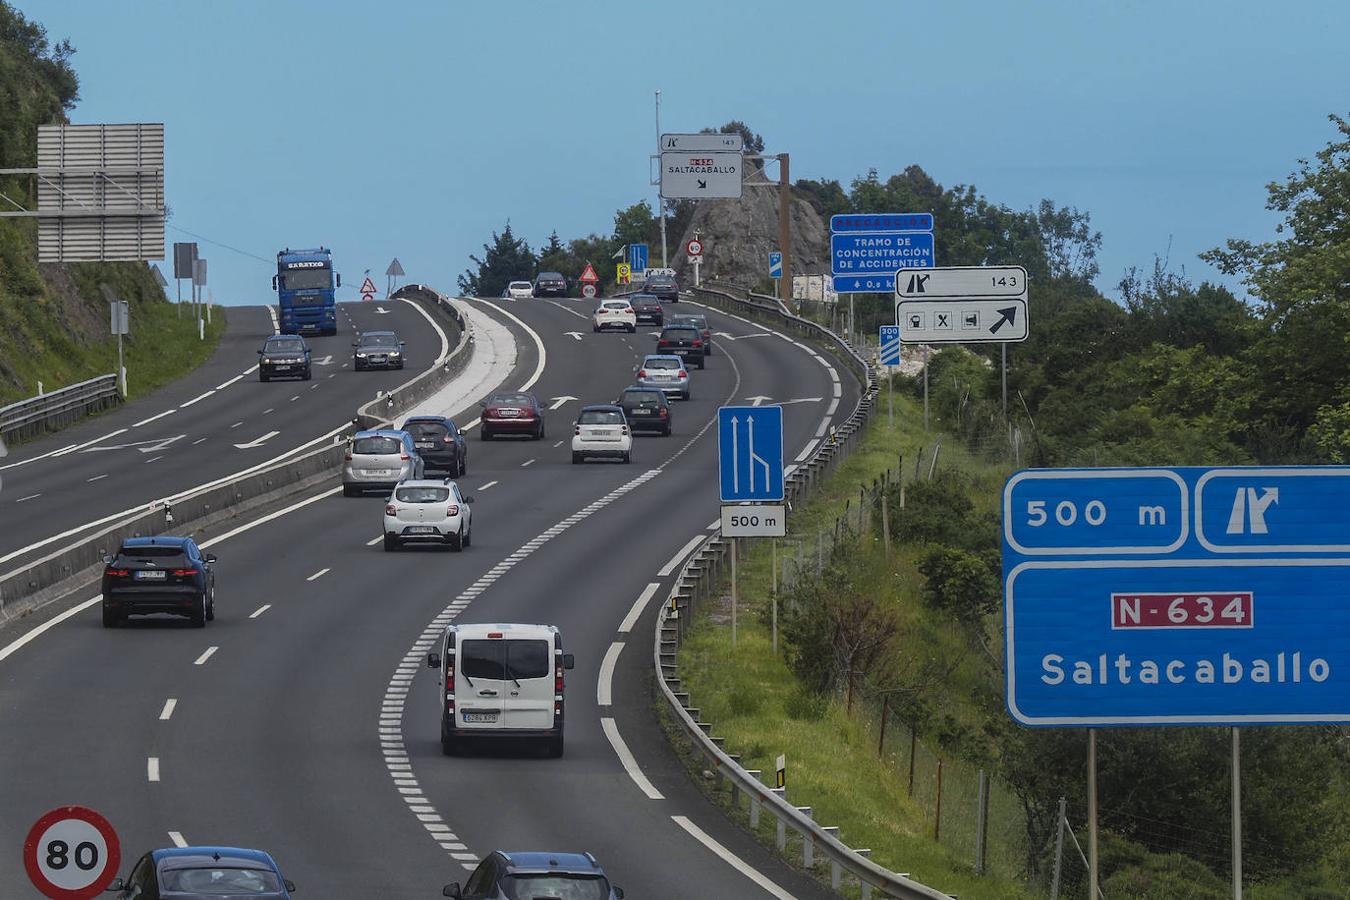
(890, 399)
(1004, 349)
(1092, 814)
(660, 201)
(925, 387)
(1237, 818)
(734, 542)
(121, 368)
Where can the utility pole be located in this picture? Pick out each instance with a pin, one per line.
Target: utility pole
(784, 226)
(660, 201)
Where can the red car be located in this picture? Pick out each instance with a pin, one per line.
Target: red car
(511, 413)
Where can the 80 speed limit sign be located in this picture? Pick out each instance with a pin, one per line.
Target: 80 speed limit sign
(71, 853)
(694, 247)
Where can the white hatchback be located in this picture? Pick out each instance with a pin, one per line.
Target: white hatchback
(520, 290)
(428, 512)
(614, 314)
(602, 431)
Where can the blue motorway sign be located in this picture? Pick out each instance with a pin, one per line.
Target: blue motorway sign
(881, 222)
(775, 264)
(890, 345)
(1177, 596)
(637, 257)
(750, 453)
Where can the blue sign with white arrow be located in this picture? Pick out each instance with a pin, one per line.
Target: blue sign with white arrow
(637, 258)
(1177, 596)
(775, 264)
(890, 345)
(750, 453)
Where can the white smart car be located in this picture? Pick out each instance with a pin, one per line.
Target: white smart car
(520, 290)
(614, 314)
(428, 512)
(602, 431)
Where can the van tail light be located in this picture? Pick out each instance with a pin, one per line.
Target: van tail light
(183, 573)
(452, 510)
(117, 573)
(450, 685)
(405, 457)
(698, 343)
(390, 509)
(558, 678)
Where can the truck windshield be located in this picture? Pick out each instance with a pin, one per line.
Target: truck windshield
(306, 279)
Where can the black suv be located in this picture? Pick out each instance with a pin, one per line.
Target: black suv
(664, 287)
(648, 308)
(440, 443)
(284, 355)
(377, 350)
(508, 876)
(647, 409)
(159, 575)
(684, 341)
(550, 284)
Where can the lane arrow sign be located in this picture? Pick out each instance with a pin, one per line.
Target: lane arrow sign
(758, 401)
(162, 444)
(574, 334)
(326, 361)
(559, 401)
(1007, 316)
(382, 311)
(257, 442)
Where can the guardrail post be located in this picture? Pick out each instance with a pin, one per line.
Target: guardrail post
(808, 845)
(981, 822)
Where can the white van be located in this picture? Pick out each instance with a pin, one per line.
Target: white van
(501, 681)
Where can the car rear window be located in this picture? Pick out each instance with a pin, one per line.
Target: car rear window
(660, 364)
(510, 400)
(425, 429)
(600, 417)
(619, 304)
(520, 284)
(571, 887)
(502, 660)
(151, 552)
(422, 494)
(377, 446)
(220, 880)
(642, 398)
(683, 333)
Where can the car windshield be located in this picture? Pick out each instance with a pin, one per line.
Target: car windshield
(379, 340)
(619, 304)
(520, 285)
(510, 400)
(291, 346)
(219, 881)
(641, 398)
(306, 279)
(600, 417)
(562, 887)
(691, 321)
(661, 364)
(377, 446)
(660, 280)
(422, 494)
(425, 429)
(502, 660)
(680, 334)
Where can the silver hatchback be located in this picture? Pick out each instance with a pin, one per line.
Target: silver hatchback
(665, 373)
(379, 459)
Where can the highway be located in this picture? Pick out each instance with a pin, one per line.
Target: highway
(217, 421)
(303, 720)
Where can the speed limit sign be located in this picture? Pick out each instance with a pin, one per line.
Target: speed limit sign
(588, 290)
(71, 853)
(694, 247)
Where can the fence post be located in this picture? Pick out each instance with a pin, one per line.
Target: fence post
(913, 743)
(981, 822)
(937, 805)
(1059, 852)
(885, 523)
(885, 708)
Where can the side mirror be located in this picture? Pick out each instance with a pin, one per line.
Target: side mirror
(618, 892)
(260, 353)
(107, 560)
(483, 404)
(210, 557)
(355, 343)
(274, 287)
(117, 885)
(433, 660)
(451, 890)
(569, 661)
(339, 279)
(290, 885)
(469, 500)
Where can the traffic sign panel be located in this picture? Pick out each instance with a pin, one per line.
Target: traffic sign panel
(588, 275)
(880, 253)
(881, 222)
(637, 256)
(754, 519)
(1177, 596)
(700, 175)
(890, 345)
(962, 281)
(775, 264)
(588, 290)
(750, 453)
(71, 853)
(694, 247)
(864, 284)
(706, 141)
(962, 321)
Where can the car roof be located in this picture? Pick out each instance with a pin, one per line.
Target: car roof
(549, 275)
(537, 861)
(663, 356)
(238, 857)
(601, 407)
(426, 482)
(681, 325)
(520, 281)
(439, 419)
(284, 337)
(158, 541)
(641, 296)
(639, 389)
(507, 629)
(366, 334)
(382, 432)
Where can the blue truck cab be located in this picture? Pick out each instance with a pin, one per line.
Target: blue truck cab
(305, 283)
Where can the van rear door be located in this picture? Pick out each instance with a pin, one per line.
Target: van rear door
(529, 668)
(481, 687)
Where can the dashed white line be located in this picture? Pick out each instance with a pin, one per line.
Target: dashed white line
(224, 385)
(486, 486)
(317, 575)
(97, 477)
(730, 858)
(198, 441)
(167, 412)
(626, 759)
(681, 554)
(295, 398)
(195, 399)
(29, 497)
(528, 462)
(268, 410)
(236, 424)
(603, 693)
(251, 369)
(167, 712)
(373, 541)
(178, 839)
(153, 458)
(152, 769)
(638, 606)
(201, 660)
(810, 448)
(260, 610)
(557, 445)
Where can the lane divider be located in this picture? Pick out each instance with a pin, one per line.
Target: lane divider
(167, 712)
(201, 660)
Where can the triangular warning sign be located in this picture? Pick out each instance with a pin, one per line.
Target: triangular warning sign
(367, 287)
(588, 274)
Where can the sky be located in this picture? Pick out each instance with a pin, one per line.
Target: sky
(416, 128)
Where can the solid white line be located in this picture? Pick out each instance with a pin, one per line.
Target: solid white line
(152, 768)
(167, 412)
(260, 610)
(467, 425)
(167, 712)
(683, 552)
(153, 458)
(801, 457)
(730, 858)
(97, 477)
(714, 525)
(195, 399)
(445, 343)
(486, 486)
(18, 643)
(111, 434)
(626, 758)
(29, 497)
(178, 839)
(528, 462)
(639, 605)
(251, 370)
(69, 448)
(224, 385)
(201, 660)
(603, 694)
(538, 343)
(317, 575)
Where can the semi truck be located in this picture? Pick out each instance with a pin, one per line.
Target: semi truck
(305, 283)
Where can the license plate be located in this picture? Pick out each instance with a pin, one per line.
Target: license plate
(683, 351)
(508, 413)
(480, 716)
(375, 472)
(426, 445)
(642, 412)
(419, 529)
(151, 575)
(281, 368)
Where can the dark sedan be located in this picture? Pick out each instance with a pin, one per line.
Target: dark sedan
(648, 308)
(284, 356)
(663, 286)
(550, 284)
(377, 350)
(518, 412)
(159, 575)
(647, 409)
(203, 873)
(699, 321)
(440, 443)
(684, 341)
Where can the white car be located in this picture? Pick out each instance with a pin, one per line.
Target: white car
(500, 681)
(520, 290)
(423, 511)
(614, 314)
(602, 431)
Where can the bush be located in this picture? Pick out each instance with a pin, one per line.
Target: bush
(960, 583)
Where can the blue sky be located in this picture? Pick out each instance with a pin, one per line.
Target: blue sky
(413, 129)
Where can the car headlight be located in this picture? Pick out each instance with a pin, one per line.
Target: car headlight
(266, 361)
(360, 355)
(394, 353)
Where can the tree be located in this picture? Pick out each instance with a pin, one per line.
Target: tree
(553, 256)
(634, 225)
(753, 142)
(506, 259)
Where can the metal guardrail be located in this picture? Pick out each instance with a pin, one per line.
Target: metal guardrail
(58, 408)
(698, 581)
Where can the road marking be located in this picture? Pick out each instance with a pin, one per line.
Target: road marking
(557, 445)
(152, 769)
(153, 458)
(270, 516)
(801, 457)
(527, 462)
(559, 401)
(276, 326)
(167, 712)
(167, 412)
(714, 525)
(373, 541)
(29, 497)
(603, 693)
(538, 343)
(97, 477)
(317, 575)
(681, 554)
(445, 342)
(178, 839)
(730, 858)
(257, 442)
(237, 424)
(198, 441)
(473, 424)
(224, 385)
(638, 606)
(69, 448)
(195, 399)
(260, 610)
(486, 486)
(268, 410)
(626, 759)
(201, 660)
(251, 370)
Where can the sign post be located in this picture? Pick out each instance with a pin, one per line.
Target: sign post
(589, 280)
(889, 341)
(751, 478)
(694, 250)
(71, 853)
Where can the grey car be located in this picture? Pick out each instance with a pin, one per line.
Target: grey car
(664, 372)
(380, 458)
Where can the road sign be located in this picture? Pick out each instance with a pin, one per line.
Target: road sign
(846, 222)
(588, 275)
(867, 249)
(694, 247)
(962, 321)
(729, 142)
(750, 453)
(649, 272)
(890, 345)
(119, 316)
(199, 272)
(637, 257)
(588, 290)
(962, 282)
(754, 520)
(71, 853)
(775, 264)
(367, 291)
(700, 175)
(861, 284)
(1186, 596)
(623, 273)
(395, 269)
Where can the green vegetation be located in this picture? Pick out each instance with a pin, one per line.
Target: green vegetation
(53, 318)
